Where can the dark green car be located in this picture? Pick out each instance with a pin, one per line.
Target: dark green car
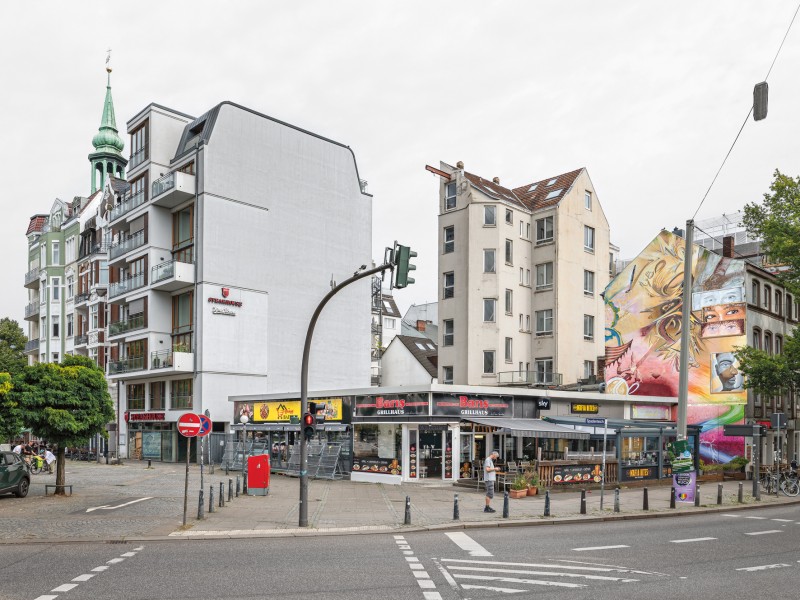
(14, 475)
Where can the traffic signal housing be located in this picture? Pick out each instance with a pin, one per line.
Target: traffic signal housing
(309, 425)
(402, 258)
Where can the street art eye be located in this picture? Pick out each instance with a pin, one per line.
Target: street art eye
(711, 317)
(732, 311)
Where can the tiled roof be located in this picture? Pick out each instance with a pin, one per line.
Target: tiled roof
(493, 190)
(424, 350)
(539, 195)
(389, 308)
(36, 223)
(119, 185)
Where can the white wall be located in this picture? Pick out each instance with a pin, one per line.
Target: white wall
(401, 368)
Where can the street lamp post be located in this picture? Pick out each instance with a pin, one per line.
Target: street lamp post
(243, 419)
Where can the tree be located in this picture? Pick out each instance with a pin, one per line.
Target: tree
(65, 403)
(12, 346)
(772, 374)
(10, 422)
(776, 221)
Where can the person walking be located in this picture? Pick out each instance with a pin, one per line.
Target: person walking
(489, 479)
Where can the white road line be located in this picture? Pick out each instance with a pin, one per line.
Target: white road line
(758, 518)
(106, 507)
(128, 554)
(65, 588)
(406, 547)
(47, 597)
(492, 589)
(463, 541)
(421, 574)
(412, 559)
(607, 569)
(86, 577)
(408, 552)
(600, 548)
(451, 581)
(432, 595)
(139, 549)
(764, 532)
(416, 566)
(763, 567)
(519, 580)
(100, 569)
(610, 567)
(426, 584)
(687, 541)
(543, 573)
(399, 537)
(782, 520)
(114, 561)
(737, 516)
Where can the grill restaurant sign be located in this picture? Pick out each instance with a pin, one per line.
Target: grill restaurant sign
(461, 405)
(224, 306)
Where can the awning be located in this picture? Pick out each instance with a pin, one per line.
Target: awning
(531, 428)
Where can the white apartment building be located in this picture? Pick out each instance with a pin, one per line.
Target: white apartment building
(521, 270)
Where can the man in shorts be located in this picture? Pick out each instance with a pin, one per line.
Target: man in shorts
(489, 478)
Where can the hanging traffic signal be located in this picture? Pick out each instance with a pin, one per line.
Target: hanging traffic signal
(402, 256)
(309, 425)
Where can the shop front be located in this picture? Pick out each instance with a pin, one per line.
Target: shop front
(152, 437)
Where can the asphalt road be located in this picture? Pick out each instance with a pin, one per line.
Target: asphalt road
(742, 554)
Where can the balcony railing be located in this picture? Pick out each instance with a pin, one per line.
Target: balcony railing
(129, 324)
(162, 271)
(161, 185)
(181, 401)
(127, 244)
(81, 298)
(137, 158)
(32, 275)
(82, 340)
(127, 205)
(126, 365)
(93, 249)
(528, 378)
(32, 346)
(32, 308)
(126, 285)
(161, 359)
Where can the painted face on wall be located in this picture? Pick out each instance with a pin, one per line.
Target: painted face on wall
(715, 329)
(723, 312)
(725, 368)
(713, 297)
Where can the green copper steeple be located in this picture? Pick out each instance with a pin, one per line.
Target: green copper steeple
(107, 159)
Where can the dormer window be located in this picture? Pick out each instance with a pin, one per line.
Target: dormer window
(552, 181)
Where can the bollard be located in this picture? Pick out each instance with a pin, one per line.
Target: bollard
(211, 468)
(244, 484)
(616, 500)
(226, 469)
(505, 505)
(741, 492)
(200, 506)
(645, 503)
(211, 499)
(407, 520)
(719, 493)
(547, 503)
(583, 502)
(456, 515)
(149, 463)
(672, 497)
(230, 490)
(221, 494)
(697, 495)
(238, 484)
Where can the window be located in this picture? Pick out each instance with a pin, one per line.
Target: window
(70, 287)
(588, 283)
(524, 276)
(588, 327)
(56, 253)
(588, 238)
(509, 348)
(756, 338)
(778, 302)
(447, 334)
(489, 307)
(611, 264)
(56, 329)
(447, 375)
(182, 322)
(488, 261)
(138, 146)
(588, 369)
(509, 216)
(43, 330)
(767, 297)
(94, 317)
(544, 230)
(55, 289)
(449, 285)
(544, 322)
(181, 394)
(488, 362)
(450, 196)
(183, 235)
(527, 231)
(388, 323)
(509, 252)
(56, 357)
(449, 239)
(756, 293)
(544, 370)
(490, 215)
(544, 276)
(768, 342)
(158, 395)
(789, 314)
(70, 325)
(554, 194)
(587, 200)
(778, 344)
(520, 322)
(135, 395)
(509, 302)
(527, 323)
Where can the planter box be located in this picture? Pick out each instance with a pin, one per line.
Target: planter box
(517, 493)
(713, 476)
(532, 491)
(735, 475)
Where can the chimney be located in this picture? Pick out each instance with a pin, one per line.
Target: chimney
(421, 325)
(728, 246)
(496, 180)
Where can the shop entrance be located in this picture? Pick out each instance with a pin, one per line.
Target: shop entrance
(431, 453)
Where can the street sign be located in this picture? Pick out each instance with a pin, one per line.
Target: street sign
(595, 421)
(205, 426)
(189, 425)
(741, 430)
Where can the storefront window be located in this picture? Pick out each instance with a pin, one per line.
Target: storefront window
(640, 451)
(377, 448)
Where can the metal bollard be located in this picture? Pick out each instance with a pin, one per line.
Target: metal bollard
(505, 505)
(719, 493)
(741, 492)
(645, 502)
(238, 486)
(616, 500)
(583, 502)
(407, 520)
(211, 499)
(149, 463)
(221, 494)
(200, 506)
(244, 484)
(672, 497)
(697, 495)
(226, 469)
(456, 515)
(211, 468)
(230, 490)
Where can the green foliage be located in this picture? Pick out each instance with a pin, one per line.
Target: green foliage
(532, 477)
(10, 417)
(12, 346)
(770, 374)
(519, 483)
(737, 463)
(776, 221)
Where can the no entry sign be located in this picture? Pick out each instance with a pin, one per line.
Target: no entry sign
(189, 425)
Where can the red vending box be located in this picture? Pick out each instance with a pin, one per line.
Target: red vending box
(258, 475)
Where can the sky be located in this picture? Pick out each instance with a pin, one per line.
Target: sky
(648, 96)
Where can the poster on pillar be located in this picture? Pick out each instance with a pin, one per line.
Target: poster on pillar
(685, 485)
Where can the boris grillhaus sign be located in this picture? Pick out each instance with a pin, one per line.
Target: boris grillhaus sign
(452, 405)
(224, 306)
(391, 405)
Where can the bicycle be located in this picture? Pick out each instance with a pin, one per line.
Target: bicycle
(785, 481)
(35, 463)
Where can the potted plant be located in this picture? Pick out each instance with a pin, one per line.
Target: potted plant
(533, 482)
(735, 469)
(519, 487)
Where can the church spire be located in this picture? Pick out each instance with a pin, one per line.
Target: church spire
(107, 159)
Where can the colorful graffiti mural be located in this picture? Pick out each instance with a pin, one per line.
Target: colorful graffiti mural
(643, 334)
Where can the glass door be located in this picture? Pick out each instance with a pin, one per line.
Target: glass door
(431, 453)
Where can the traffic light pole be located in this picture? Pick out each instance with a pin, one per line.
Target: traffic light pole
(303, 522)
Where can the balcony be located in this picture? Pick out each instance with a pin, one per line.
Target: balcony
(32, 278)
(118, 288)
(523, 378)
(127, 244)
(87, 251)
(173, 188)
(127, 205)
(126, 365)
(171, 276)
(137, 158)
(81, 298)
(31, 346)
(32, 309)
(81, 340)
(172, 360)
(132, 323)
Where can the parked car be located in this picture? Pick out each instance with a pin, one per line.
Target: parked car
(14, 475)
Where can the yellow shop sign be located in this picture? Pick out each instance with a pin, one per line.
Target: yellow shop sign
(281, 411)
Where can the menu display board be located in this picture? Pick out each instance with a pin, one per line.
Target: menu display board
(412, 454)
(391, 405)
(461, 405)
(381, 466)
(448, 455)
(636, 473)
(577, 474)
(466, 470)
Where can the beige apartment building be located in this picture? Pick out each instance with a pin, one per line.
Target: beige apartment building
(521, 270)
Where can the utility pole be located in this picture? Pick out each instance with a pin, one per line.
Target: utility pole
(686, 332)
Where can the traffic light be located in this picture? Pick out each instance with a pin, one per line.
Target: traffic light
(402, 256)
(309, 425)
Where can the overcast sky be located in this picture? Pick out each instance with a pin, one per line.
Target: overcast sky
(648, 96)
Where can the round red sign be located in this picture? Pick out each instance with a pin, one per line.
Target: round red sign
(189, 425)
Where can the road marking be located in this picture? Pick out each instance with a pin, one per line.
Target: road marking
(412, 559)
(763, 567)
(519, 580)
(128, 554)
(86, 577)
(65, 588)
(782, 520)
(416, 566)
(426, 584)
(139, 549)
(599, 548)
(606, 569)
(463, 541)
(47, 597)
(764, 532)
(610, 567)
(399, 537)
(408, 552)
(107, 507)
(432, 595)
(114, 561)
(492, 589)
(449, 578)
(100, 569)
(759, 518)
(737, 516)
(421, 574)
(687, 541)
(543, 573)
